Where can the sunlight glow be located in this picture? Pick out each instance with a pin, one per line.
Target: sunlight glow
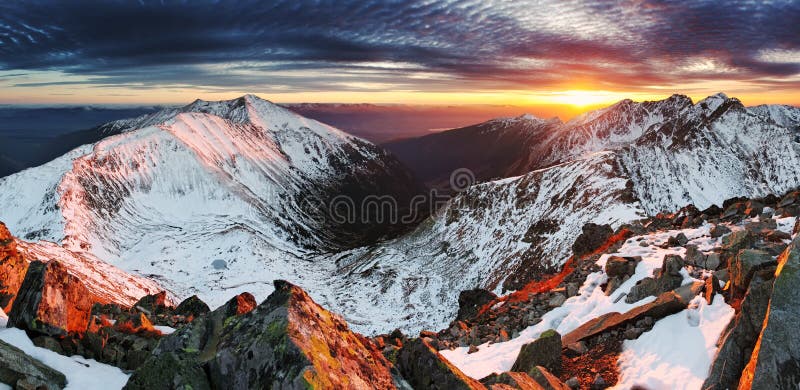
(581, 98)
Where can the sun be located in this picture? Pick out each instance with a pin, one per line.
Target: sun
(581, 98)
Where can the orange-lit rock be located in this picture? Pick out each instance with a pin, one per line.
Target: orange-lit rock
(51, 301)
(288, 341)
(424, 368)
(12, 269)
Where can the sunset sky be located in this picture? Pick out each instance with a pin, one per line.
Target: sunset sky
(556, 53)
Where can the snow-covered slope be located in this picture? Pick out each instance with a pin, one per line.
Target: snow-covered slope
(243, 184)
(714, 150)
(491, 234)
(217, 198)
(696, 342)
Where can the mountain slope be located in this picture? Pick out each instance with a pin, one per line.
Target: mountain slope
(490, 150)
(222, 197)
(242, 184)
(497, 235)
(715, 150)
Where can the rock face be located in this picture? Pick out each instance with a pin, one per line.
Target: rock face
(51, 301)
(775, 362)
(288, 341)
(424, 368)
(740, 337)
(24, 372)
(745, 263)
(544, 351)
(12, 269)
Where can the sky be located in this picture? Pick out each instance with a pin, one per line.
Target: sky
(524, 53)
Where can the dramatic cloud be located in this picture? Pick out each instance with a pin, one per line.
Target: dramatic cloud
(411, 45)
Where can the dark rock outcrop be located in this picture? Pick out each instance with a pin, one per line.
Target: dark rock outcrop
(424, 368)
(739, 338)
(592, 237)
(51, 301)
(470, 301)
(746, 262)
(153, 304)
(775, 362)
(192, 306)
(24, 372)
(544, 351)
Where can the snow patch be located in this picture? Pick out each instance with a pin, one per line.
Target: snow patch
(678, 351)
(81, 373)
(591, 302)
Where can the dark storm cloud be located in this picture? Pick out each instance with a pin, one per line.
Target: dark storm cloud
(496, 44)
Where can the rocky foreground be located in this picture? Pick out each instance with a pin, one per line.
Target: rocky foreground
(732, 273)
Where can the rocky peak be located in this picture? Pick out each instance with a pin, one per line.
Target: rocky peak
(287, 341)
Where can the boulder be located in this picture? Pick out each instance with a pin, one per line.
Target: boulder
(51, 301)
(738, 240)
(695, 257)
(544, 351)
(470, 301)
(762, 227)
(713, 261)
(739, 337)
(592, 237)
(545, 379)
(789, 199)
(775, 361)
(136, 323)
(667, 278)
(541, 380)
(678, 240)
(711, 289)
(288, 341)
(753, 208)
(621, 266)
(12, 269)
(424, 368)
(719, 231)
(192, 306)
(153, 304)
(745, 263)
(24, 372)
(734, 211)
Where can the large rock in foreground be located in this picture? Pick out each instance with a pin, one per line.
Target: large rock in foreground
(287, 342)
(739, 337)
(424, 368)
(24, 372)
(775, 362)
(12, 269)
(51, 301)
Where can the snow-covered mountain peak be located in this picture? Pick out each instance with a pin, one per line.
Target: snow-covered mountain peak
(713, 102)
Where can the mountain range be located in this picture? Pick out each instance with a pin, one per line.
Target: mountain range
(216, 198)
(603, 228)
